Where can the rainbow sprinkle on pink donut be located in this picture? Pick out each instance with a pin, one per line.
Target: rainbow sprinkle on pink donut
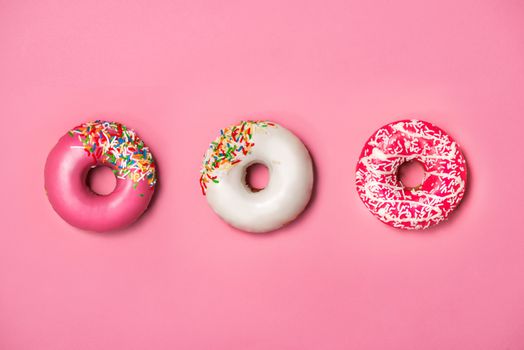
(228, 149)
(114, 144)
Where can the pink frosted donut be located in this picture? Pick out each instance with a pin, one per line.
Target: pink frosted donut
(387, 198)
(93, 144)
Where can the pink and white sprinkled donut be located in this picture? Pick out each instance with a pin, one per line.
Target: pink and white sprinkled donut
(92, 144)
(384, 194)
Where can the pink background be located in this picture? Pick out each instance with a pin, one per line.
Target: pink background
(333, 72)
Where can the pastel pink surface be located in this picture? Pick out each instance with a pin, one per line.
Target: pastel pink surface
(65, 175)
(331, 71)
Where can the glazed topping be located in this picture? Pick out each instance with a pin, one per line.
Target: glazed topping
(380, 189)
(113, 143)
(228, 149)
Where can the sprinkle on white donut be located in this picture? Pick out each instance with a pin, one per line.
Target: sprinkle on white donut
(228, 149)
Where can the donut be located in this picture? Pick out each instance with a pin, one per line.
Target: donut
(223, 176)
(93, 144)
(384, 194)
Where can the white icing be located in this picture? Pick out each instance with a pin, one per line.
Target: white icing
(286, 194)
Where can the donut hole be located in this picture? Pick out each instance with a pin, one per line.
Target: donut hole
(257, 177)
(101, 180)
(411, 174)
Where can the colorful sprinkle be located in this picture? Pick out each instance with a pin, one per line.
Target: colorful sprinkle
(233, 144)
(115, 144)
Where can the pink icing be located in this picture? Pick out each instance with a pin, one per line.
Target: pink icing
(65, 182)
(382, 192)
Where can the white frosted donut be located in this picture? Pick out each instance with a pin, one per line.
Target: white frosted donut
(223, 176)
